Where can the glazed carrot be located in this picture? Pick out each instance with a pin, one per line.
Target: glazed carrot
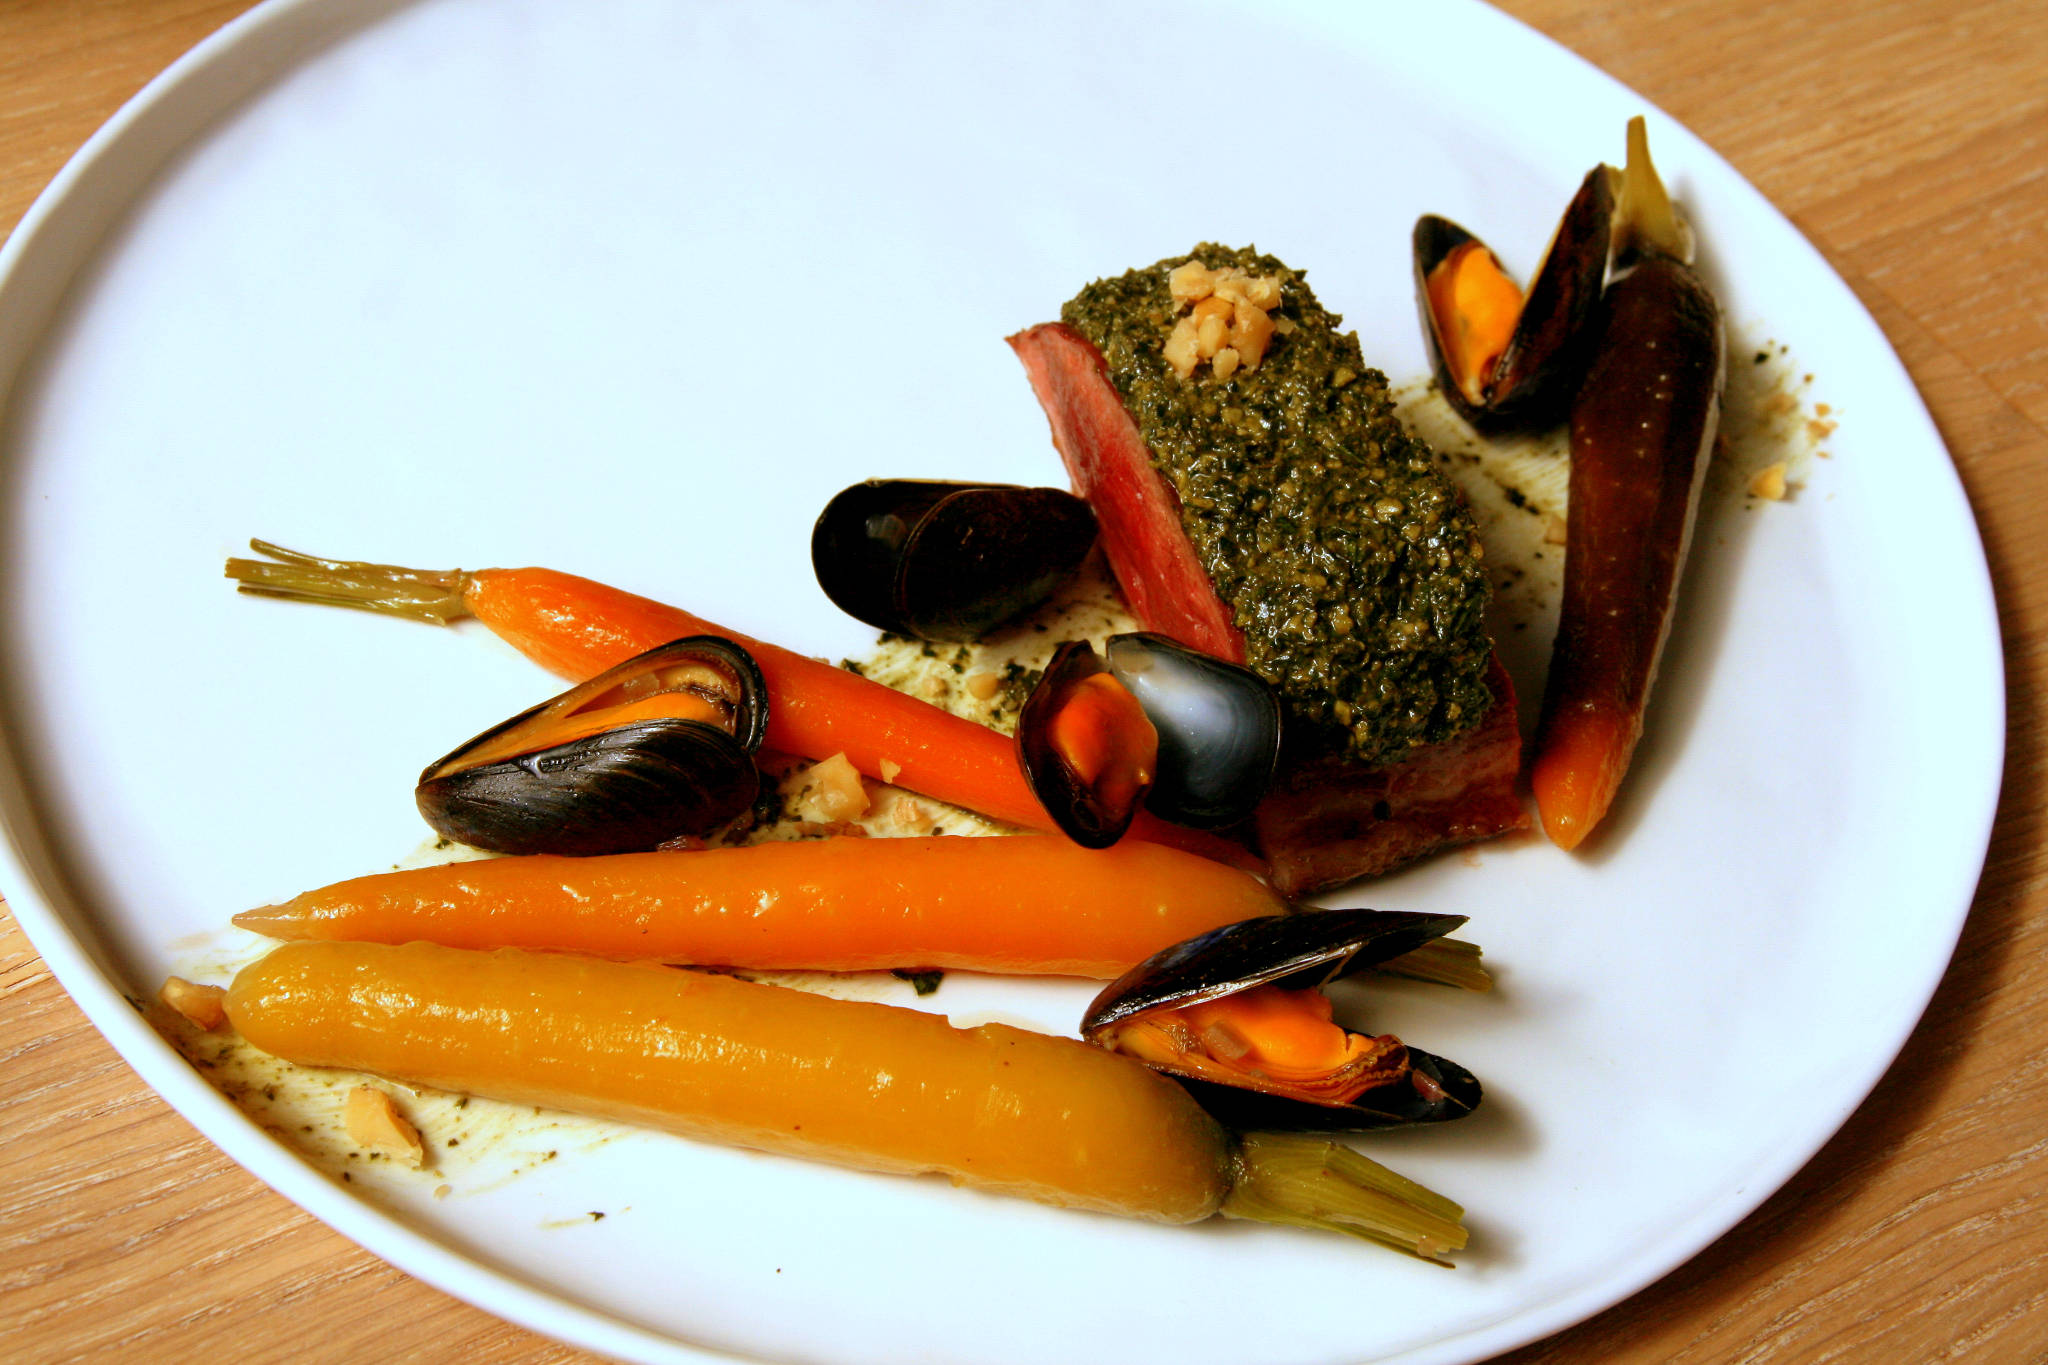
(869, 1086)
(1642, 430)
(1029, 904)
(577, 628)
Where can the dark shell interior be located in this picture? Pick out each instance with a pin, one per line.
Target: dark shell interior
(947, 561)
(1533, 381)
(1450, 1092)
(1218, 724)
(1094, 814)
(520, 788)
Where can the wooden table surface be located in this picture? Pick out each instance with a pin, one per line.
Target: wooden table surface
(1909, 140)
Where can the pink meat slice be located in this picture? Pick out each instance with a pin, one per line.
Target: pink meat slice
(1154, 564)
(1329, 819)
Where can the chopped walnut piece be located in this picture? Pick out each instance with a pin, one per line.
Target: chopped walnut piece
(204, 1007)
(1229, 315)
(374, 1122)
(1235, 286)
(1251, 331)
(1181, 348)
(909, 816)
(1769, 482)
(1190, 282)
(827, 792)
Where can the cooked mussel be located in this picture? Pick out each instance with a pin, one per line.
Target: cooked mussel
(1190, 737)
(1086, 747)
(1503, 360)
(1238, 1016)
(1218, 726)
(660, 746)
(947, 561)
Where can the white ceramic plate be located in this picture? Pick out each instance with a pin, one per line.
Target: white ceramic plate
(630, 289)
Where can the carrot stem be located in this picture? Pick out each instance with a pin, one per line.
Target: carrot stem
(386, 588)
(1445, 961)
(1310, 1182)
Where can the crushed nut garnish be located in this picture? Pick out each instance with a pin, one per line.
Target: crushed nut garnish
(828, 829)
(204, 1006)
(908, 815)
(373, 1122)
(827, 792)
(1230, 324)
(1769, 483)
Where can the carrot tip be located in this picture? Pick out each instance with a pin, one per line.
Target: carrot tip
(1565, 830)
(1580, 760)
(276, 921)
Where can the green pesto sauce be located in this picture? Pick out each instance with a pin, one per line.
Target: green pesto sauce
(1348, 558)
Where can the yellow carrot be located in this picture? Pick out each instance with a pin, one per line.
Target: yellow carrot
(1025, 904)
(868, 1086)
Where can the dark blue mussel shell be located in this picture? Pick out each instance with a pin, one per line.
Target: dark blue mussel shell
(947, 561)
(627, 788)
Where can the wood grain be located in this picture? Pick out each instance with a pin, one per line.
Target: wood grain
(1909, 140)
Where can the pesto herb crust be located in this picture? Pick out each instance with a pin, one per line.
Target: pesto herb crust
(1347, 557)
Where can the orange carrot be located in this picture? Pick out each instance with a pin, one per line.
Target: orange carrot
(1032, 904)
(577, 628)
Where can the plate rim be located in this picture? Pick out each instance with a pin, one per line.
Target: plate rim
(300, 30)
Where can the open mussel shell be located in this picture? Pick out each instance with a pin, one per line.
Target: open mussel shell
(1533, 377)
(1218, 726)
(1293, 952)
(660, 746)
(1086, 747)
(947, 561)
